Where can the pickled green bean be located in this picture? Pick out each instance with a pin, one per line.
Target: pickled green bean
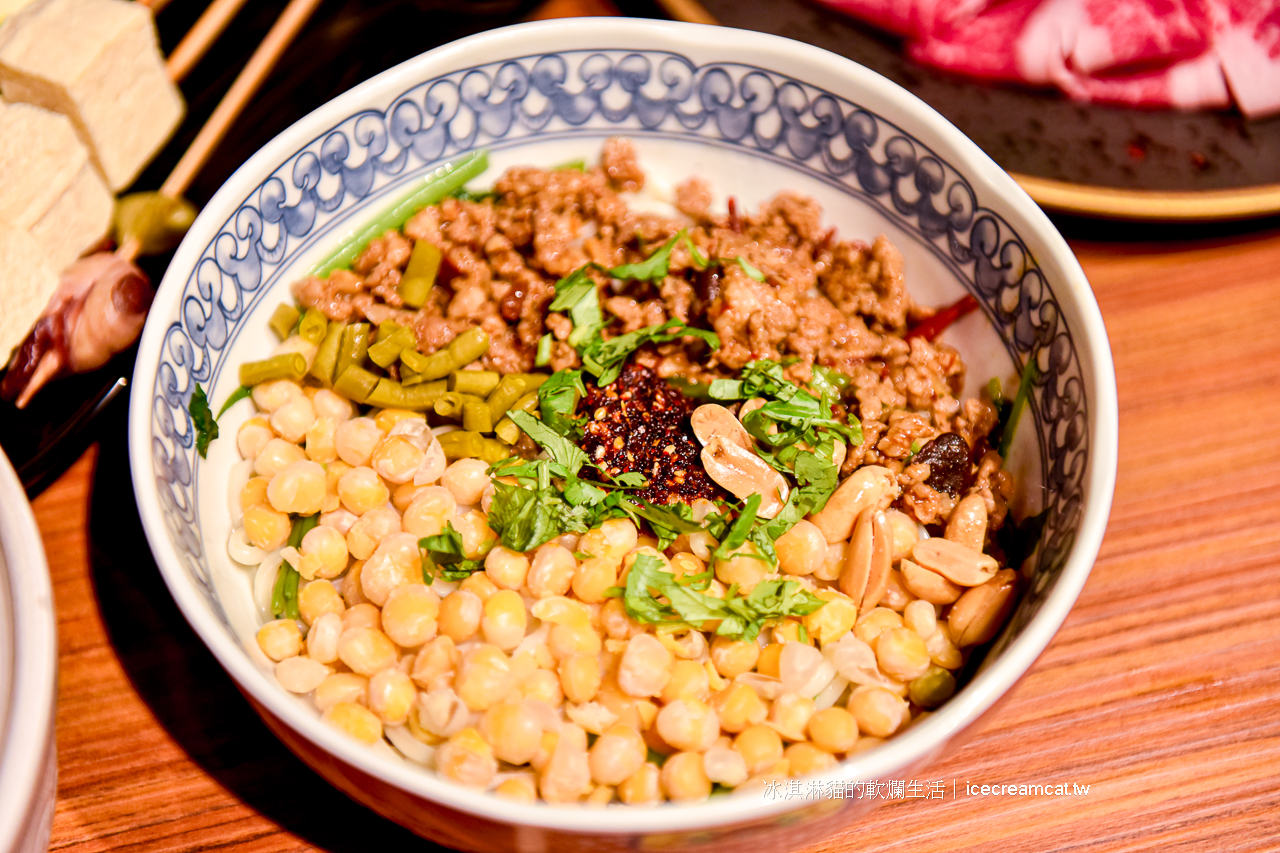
(390, 394)
(460, 444)
(287, 365)
(388, 348)
(451, 403)
(469, 346)
(313, 326)
(325, 366)
(356, 383)
(283, 320)
(355, 345)
(509, 389)
(438, 365)
(478, 382)
(420, 274)
(476, 417)
(507, 431)
(492, 451)
(437, 185)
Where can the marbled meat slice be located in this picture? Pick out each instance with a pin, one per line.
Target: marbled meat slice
(640, 423)
(1247, 42)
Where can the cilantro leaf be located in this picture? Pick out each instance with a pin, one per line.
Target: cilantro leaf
(605, 358)
(741, 617)
(562, 450)
(446, 556)
(206, 425)
(576, 293)
(525, 518)
(652, 268)
(631, 480)
(558, 400)
(236, 396)
(748, 269)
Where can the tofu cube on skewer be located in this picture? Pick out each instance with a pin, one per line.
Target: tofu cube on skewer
(27, 281)
(98, 62)
(51, 189)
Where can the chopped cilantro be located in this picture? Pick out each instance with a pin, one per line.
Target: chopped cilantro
(206, 425)
(445, 557)
(1030, 376)
(652, 268)
(236, 396)
(741, 617)
(748, 269)
(284, 595)
(543, 356)
(558, 400)
(562, 450)
(605, 358)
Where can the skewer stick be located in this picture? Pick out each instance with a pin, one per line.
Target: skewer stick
(690, 11)
(255, 71)
(200, 37)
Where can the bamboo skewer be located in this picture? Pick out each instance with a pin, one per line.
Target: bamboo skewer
(255, 71)
(689, 11)
(202, 34)
(246, 84)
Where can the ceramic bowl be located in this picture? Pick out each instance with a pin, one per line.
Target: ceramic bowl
(751, 113)
(28, 675)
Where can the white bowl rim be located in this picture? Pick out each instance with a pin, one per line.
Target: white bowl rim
(921, 741)
(23, 754)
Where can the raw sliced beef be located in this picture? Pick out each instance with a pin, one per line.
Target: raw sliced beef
(913, 18)
(1247, 42)
(1151, 53)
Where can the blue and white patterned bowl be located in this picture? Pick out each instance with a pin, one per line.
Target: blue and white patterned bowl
(753, 114)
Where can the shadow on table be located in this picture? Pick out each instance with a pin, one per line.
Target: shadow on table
(190, 694)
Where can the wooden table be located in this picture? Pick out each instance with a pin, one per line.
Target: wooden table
(1161, 693)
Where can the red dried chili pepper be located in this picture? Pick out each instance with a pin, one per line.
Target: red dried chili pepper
(931, 327)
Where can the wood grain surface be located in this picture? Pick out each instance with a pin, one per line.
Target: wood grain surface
(1161, 693)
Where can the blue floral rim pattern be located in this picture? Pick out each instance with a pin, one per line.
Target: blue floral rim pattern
(638, 94)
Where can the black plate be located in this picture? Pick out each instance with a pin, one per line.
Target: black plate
(1037, 132)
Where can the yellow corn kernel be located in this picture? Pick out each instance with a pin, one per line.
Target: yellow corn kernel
(366, 650)
(504, 621)
(254, 492)
(387, 418)
(356, 720)
(833, 729)
(804, 758)
(760, 747)
(484, 677)
(643, 787)
(479, 585)
(580, 677)
(409, 615)
(688, 681)
(466, 758)
(770, 656)
(832, 620)
(731, 658)
(391, 696)
(684, 779)
(513, 730)
(266, 528)
(593, 577)
(317, 598)
(280, 639)
(739, 706)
